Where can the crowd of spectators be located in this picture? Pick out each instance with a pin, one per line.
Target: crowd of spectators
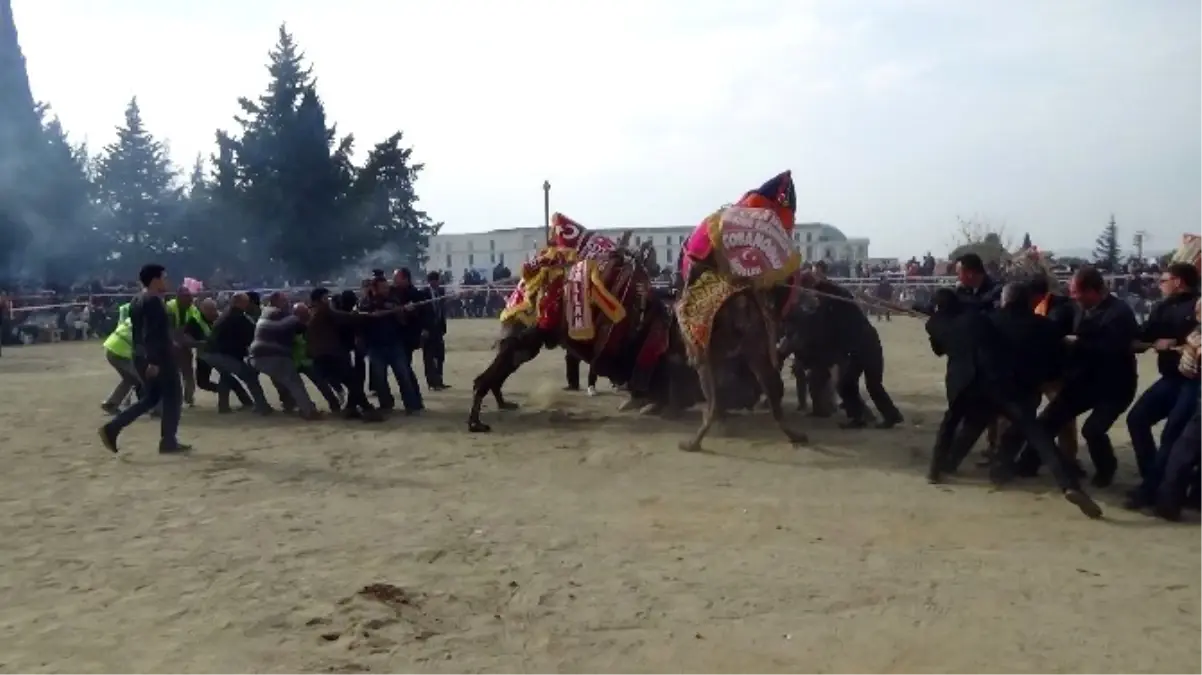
(89, 309)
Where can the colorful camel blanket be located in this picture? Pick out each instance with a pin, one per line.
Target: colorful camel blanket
(696, 309)
(538, 298)
(585, 292)
(749, 244)
(564, 276)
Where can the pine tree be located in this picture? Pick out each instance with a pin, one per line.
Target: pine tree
(1106, 249)
(137, 186)
(1026, 241)
(292, 180)
(388, 203)
(62, 247)
(43, 191)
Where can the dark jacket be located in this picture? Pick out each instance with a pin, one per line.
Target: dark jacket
(275, 333)
(842, 327)
(1101, 359)
(1171, 318)
(151, 330)
(325, 334)
(413, 321)
(971, 345)
(438, 311)
(1062, 312)
(232, 334)
(983, 297)
(1034, 354)
(380, 332)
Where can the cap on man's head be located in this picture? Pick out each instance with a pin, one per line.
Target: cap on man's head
(318, 294)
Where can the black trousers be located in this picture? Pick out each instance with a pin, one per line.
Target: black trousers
(1181, 468)
(868, 361)
(812, 380)
(971, 413)
(204, 378)
(1105, 406)
(339, 370)
(434, 355)
(572, 371)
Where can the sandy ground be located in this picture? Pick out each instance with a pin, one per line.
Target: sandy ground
(570, 539)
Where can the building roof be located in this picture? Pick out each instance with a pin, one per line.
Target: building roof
(826, 232)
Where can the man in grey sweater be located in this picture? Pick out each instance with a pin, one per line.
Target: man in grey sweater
(271, 355)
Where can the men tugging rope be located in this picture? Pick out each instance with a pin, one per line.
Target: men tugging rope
(1007, 347)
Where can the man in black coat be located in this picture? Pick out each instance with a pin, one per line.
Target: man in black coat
(977, 290)
(990, 374)
(851, 338)
(1100, 378)
(414, 322)
(434, 346)
(154, 357)
(1168, 324)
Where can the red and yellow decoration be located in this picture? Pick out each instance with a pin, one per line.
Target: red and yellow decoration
(539, 297)
(586, 291)
(751, 239)
(696, 309)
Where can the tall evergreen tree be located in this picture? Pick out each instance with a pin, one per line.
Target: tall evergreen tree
(1026, 241)
(388, 203)
(63, 244)
(43, 194)
(291, 178)
(1106, 249)
(137, 185)
(18, 127)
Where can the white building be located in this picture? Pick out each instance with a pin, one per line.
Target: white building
(511, 247)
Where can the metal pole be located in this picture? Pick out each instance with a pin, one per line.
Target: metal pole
(547, 210)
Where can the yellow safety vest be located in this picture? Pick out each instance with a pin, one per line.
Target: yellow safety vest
(120, 342)
(199, 319)
(179, 318)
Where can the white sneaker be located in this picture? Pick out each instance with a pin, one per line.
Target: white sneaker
(592, 391)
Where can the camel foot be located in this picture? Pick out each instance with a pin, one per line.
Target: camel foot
(507, 405)
(628, 404)
(690, 446)
(478, 427)
(650, 409)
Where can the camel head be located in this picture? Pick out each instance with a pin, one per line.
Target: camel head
(777, 194)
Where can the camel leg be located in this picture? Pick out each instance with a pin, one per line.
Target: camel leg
(504, 364)
(709, 388)
(502, 404)
(774, 390)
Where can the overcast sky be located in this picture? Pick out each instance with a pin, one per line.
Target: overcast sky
(894, 115)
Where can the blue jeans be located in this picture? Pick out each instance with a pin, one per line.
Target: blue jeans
(1184, 408)
(380, 360)
(1154, 405)
(164, 387)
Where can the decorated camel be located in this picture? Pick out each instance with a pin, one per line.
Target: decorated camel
(588, 294)
(729, 308)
